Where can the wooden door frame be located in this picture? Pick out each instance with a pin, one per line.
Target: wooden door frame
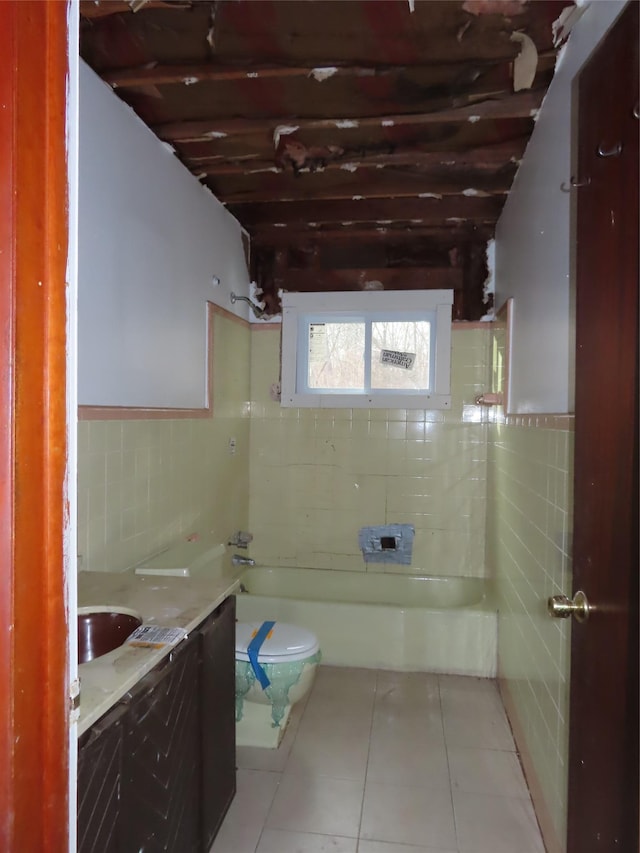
(34, 712)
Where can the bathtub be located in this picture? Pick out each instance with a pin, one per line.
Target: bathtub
(381, 621)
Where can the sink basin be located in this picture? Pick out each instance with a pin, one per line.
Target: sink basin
(102, 629)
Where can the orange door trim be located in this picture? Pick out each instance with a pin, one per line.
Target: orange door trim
(34, 716)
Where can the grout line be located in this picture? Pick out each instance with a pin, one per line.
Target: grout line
(366, 769)
(446, 747)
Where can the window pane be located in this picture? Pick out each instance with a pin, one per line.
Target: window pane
(336, 356)
(400, 354)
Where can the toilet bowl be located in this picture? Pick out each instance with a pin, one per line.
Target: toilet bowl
(275, 668)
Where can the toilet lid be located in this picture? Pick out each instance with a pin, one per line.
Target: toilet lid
(283, 643)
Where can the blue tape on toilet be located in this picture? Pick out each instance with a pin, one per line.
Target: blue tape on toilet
(253, 650)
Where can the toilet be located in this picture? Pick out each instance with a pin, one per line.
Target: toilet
(275, 667)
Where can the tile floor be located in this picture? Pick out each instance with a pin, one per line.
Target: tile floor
(385, 762)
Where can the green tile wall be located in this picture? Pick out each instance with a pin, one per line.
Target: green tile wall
(317, 476)
(144, 483)
(529, 518)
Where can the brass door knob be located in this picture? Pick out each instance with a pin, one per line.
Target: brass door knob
(561, 607)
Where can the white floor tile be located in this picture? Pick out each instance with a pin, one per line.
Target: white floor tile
(346, 724)
(458, 691)
(398, 688)
(254, 795)
(396, 698)
(237, 837)
(408, 815)
(336, 704)
(487, 771)
(330, 750)
(343, 691)
(347, 678)
(256, 758)
(487, 824)
(386, 847)
(338, 700)
(465, 684)
(397, 758)
(412, 722)
(473, 716)
(473, 729)
(317, 804)
(279, 841)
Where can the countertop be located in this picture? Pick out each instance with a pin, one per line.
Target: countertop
(182, 602)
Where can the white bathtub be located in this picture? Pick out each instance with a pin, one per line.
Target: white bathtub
(381, 621)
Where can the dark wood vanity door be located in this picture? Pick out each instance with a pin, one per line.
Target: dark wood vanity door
(161, 761)
(99, 770)
(218, 718)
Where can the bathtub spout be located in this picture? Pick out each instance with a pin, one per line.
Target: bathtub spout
(237, 560)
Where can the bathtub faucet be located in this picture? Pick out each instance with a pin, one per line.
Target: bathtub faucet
(237, 560)
(240, 539)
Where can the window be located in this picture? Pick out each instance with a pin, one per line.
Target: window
(388, 349)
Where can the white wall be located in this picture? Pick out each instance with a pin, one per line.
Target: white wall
(151, 238)
(534, 242)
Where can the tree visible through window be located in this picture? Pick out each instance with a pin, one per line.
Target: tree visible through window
(356, 349)
(397, 357)
(336, 355)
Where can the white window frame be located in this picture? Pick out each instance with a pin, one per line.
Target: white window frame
(396, 304)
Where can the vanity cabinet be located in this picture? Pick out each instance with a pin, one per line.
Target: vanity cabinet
(99, 774)
(161, 762)
(218, 718)
(157, 772)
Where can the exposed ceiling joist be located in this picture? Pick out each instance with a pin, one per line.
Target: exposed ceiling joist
(432, 183)
(409, 278)
(189, 75)
(522, 105)
(412, 211)
(488, 158)
(355, 141)
(163, 75)
(304, 235)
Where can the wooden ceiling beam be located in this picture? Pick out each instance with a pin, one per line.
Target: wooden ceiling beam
(411, 211)
(189, 74)
(162, 75)
(355, 183)
(392, 278)
(485, 158)
(398, 186)
(520, 105)
(300, 236)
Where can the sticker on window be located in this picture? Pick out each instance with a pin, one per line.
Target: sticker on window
(317, 342)
(397, 359)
